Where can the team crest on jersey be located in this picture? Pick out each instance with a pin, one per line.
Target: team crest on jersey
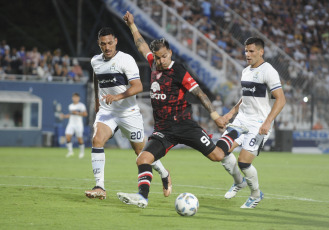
(155, 87)
(255, 76)
(112, 68)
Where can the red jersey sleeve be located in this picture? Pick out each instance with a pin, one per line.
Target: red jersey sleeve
(150, 59)
(188, 82)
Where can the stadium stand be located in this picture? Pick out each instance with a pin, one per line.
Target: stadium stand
(296, 37)
(32, 65)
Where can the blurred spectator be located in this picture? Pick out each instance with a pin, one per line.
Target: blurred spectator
(6, 121)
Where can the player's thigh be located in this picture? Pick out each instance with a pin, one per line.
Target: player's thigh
(106, 118)
(158, 145)
(246, 156)
(194, 136)
(253, 141)
(132, 127)
(78, 131)
(69, 130)
(104, 128)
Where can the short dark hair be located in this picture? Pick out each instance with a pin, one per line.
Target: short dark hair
(255, 40)
(76, 94)
(106, 31)
(158, 44)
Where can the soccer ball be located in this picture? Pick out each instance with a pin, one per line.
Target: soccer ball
(186, 204)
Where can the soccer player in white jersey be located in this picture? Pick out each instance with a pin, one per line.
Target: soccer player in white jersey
(77, 111)
(262, 100)
(116, 82)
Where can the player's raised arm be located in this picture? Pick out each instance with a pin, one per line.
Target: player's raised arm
(140, 43)
(220, 122)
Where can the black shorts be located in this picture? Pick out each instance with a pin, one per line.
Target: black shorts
(187, 132)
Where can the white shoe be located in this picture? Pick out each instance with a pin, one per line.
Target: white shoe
(252, 202)
(235, 189)
(241, 129)
(69, 154)
(81, 155)
(133, 198)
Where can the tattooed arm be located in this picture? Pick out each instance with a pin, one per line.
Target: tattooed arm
(220, 121)
(140, 43)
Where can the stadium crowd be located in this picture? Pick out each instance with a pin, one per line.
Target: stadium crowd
(298, 27)
(42, 66)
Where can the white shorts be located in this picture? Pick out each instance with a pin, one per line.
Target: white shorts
(72, 129)
(251, 141)
(132, 127)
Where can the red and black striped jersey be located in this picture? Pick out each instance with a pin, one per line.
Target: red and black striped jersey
(168, 89)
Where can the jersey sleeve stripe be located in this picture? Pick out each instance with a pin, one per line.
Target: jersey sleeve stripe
(278, 87)
(134, 78)
(193, 87)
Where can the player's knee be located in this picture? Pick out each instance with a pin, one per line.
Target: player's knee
(243, 165)
(97, 141)
(216, 155)
(145, 158)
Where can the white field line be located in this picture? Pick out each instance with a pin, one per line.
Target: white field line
(267, 195)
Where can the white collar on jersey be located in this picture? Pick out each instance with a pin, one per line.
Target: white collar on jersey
(171, 64)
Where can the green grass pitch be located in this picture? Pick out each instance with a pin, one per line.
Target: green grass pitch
(41, 189)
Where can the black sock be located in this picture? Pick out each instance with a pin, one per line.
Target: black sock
(226, 141)
(144, 179)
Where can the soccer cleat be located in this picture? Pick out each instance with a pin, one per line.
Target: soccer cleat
(81, 155)
(235, 189)
(240, 129)
(167, 186)
(133, 198)
(69, 154)
(96, 192)
(252, 202)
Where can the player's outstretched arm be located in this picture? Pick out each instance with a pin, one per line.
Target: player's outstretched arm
(220, 122)
(140, 43)
(233, 111)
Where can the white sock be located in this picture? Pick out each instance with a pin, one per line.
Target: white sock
(98, 163)
(230, 164)
(252, 180)
(69, 147)
(82, 148)
(157, 166)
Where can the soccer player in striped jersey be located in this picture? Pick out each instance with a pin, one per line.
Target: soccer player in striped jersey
(170, 81)
(262, 100)
(116, 83)
(75, 125)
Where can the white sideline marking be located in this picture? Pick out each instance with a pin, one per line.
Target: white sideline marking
(267, 195)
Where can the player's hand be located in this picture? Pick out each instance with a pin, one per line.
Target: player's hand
(61, 116)
(220, 122)
(109, 98)
(263, 130)
(128, 18)
(227, 117)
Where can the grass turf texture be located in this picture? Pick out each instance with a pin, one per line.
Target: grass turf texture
(41, 189)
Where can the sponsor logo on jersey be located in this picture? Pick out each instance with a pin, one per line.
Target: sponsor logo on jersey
(107, 81)
(249, 89)
(155, 87)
